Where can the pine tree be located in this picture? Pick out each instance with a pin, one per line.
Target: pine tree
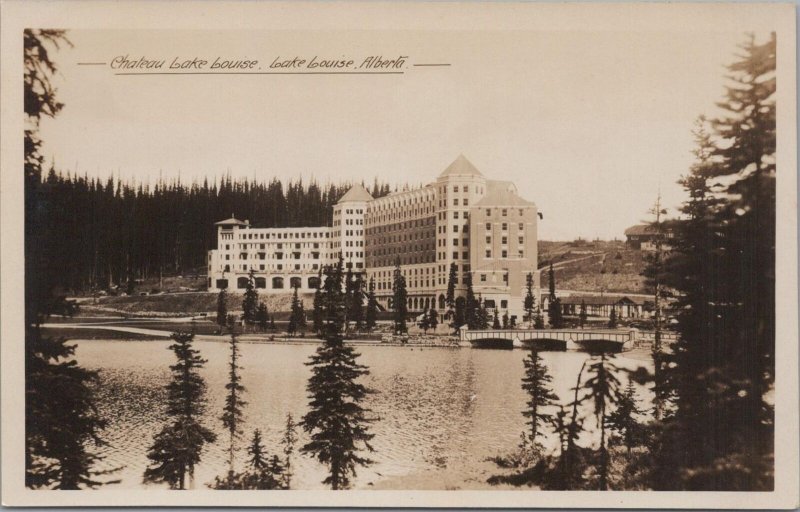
(177, 447)
(288, 442)
(538, 320)
(232, 411)
(424, 322)
(537, 384)
(602, 388)
(258, 457)
(250, 301)
(399, 300)
(612, 318)
(483, 316)
(336, 421)
(262, 316)
(623, 420)
(433, 318)
(459, 319)
(496, 320)
(261, 473)
(222, 309)
(554, 312)
(582, 317)
(530, 301)
(61, 416)
(722, 267)
(450, 298)
(505, 320)
(297, 317)
(372, 307)
(356, 313)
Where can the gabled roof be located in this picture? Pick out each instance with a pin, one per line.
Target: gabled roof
(357, 193)
(233, 221)
(604, 300)
(640, 229)
(461, 167)
(502, 193)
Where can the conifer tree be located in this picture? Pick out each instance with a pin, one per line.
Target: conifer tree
(538, 320)
(176, 449)
(372, 307)
(483, 316)
(234, 404)
(424, 322)
(537, 384)
(336, 421)
(289, 440)
(450, 298)
(250, 301)
(554, 312)
(297, 317)
(471, 304)
(61, 415)
(433, 318)
(505, 320)
(612, 318)
(530, 301)
(262, 316)
(459, 318)
(496, 320)
(623, 420)
(602, 388)
(222, 309)
(356, 314)
(399, 300)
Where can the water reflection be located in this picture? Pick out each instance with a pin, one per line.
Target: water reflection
(436, 409)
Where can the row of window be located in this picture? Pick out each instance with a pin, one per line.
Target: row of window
(283, 235)
(277, 282)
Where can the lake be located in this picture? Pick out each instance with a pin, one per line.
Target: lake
(440, 412)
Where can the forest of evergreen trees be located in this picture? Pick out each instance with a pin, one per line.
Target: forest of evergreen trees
(105, 233)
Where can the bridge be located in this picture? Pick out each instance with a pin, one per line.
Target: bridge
(606, 340)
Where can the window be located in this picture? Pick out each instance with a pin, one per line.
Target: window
(521, 226)
(455, 255)
(295, 282)
(489, 303)
(455, 215)
(503, 304)
(521, 240)
(455, 241)
(488, 239)
(505, 227)
(455, 229)
(222, 284)
(488, 226)
(521, 253)
(455, 188)
(504, 240)
(465, 255)
(466, 202)
(261, 282)
(277, 283)
(483, 278)
(488, 253)
(241, 283)
(505, 253)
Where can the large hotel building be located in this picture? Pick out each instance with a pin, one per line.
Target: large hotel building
(481, 225)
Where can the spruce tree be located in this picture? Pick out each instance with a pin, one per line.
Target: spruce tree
(721, 433)
(623, 420)
(372, 307)
(336, 421)
(222, 309)
(450, 298)
(232, 415)
(176, 449)
(612, 318)
(288, 442)
(471, 304)
(483, 316)
(459, 318)
(496, 320)
(537, 384)
(554, 313)
(433, 318)
(262, 316)
(602, 389)
(61, 415)
(530, 301)
(297, 317)
(250, 301)
(505, 320)
(399, 300)
(356, 314)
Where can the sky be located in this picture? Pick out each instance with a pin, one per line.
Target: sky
(591, 126)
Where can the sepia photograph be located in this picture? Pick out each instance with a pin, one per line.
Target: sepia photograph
(495, 257)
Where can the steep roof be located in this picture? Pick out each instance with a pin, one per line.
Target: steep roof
(233, 221)
(357, 193)
(461, 166)
(640, 229)
(502, 193)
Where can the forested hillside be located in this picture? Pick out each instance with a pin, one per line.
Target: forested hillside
(105, 233)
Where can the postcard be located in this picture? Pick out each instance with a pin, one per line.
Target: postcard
(412, 254)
